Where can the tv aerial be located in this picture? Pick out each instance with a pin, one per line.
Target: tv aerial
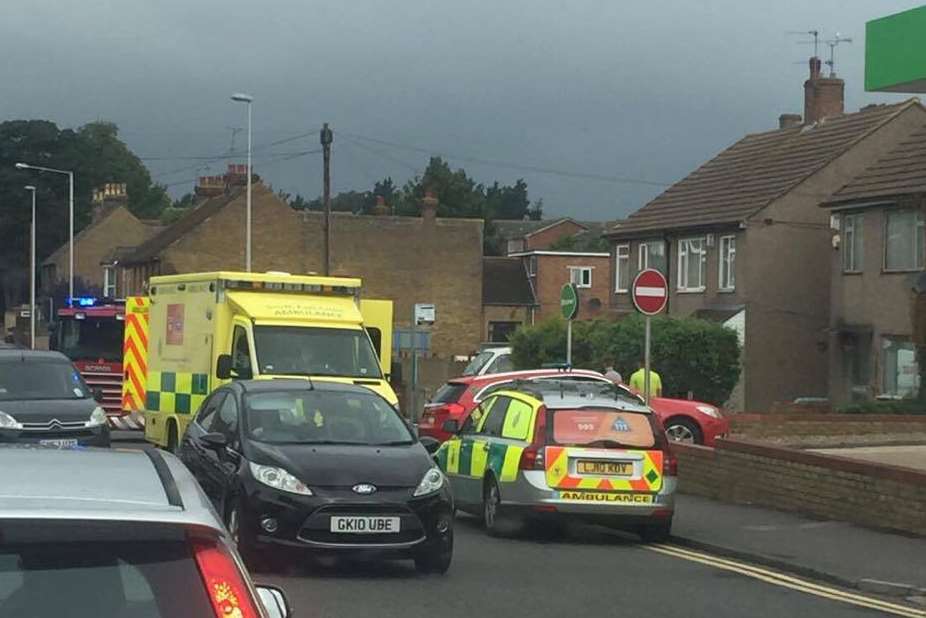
(815, 34)
(833, 43)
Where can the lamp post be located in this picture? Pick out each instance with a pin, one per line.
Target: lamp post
(246, 98)
(70, 175)
(32, 273)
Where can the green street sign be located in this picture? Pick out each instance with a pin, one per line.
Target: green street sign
(569, 301)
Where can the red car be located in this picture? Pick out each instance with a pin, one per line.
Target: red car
(684, 421)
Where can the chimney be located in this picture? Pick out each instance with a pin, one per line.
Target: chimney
(380, 208)
(209, 186)
(110, 195)
(786, 121)
(823, 96)
(429, 207)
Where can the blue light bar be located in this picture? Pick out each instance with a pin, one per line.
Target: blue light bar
(84, 301)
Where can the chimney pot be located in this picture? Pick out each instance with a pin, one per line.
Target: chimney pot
(823, 96)
(786, 121)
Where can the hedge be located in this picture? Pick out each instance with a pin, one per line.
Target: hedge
(690, 355)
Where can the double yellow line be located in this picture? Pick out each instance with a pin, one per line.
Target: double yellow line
(787, 581)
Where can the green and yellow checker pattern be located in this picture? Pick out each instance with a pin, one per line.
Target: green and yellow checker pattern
(175, 392)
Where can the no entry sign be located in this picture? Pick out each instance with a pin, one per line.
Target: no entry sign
(650, 291)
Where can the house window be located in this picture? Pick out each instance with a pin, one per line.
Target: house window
(622, 269)
(691, 259)
(532, 265)
(500, 332)
(852, 251)
(109, 281)
(581, 276)
(728, 263)
(904, 242)
(652, 254)
(899, 370)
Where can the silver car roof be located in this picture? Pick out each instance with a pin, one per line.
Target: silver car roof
(101, 485)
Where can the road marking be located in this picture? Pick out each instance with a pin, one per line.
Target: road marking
(787, 581)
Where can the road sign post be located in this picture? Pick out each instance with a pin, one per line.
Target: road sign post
(422, 313)
(569, 306)
(650, 293)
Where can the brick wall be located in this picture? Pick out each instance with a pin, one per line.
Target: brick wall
(504, 313)
(764, 426)
(864, 493)
(543, 239)
(553, 273)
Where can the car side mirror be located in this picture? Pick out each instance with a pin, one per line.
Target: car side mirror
(430, 444)
(98, 395)
(214, 441)
(223, 367)
(274, 601)
(452, 426)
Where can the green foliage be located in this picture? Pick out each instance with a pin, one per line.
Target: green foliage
(901, 406)
(690, 354)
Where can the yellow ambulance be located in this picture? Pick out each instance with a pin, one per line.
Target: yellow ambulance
(208, 328)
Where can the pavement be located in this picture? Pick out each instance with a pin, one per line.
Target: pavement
(910, 456)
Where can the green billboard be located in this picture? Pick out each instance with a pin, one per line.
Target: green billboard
(895, 52)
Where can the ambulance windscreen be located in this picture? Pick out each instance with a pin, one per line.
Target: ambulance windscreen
(308, 351)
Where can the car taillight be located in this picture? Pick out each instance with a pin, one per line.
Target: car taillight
(225, 584)
(532, 456)
(669, 463)
(454, 410)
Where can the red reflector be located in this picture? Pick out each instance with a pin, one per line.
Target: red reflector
(662, 513)
(225, 585)
(669, 464)
(545, 508)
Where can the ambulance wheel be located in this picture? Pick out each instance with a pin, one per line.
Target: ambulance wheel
(172, 445)
(658, 533)
(496, 521)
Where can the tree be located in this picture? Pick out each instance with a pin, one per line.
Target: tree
(691, 355)
(96, 156)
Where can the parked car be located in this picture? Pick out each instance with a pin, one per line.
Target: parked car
(562, 450)
(312, 466)
(44, 400)
(92, 533)
(490, 360)
(684, 421)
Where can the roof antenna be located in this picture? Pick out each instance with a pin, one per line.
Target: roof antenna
(816, 39)
(831, 63)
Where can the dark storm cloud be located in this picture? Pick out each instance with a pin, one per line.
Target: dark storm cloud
(637, 90)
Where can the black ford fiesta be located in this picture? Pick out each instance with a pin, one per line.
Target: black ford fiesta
(298, 465)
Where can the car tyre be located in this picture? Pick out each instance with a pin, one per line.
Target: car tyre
(256, 559)
(656, 533)
(680, 429)
(436, 558)
(497, 523)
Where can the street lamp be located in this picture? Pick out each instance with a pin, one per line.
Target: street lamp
(70, 175)
(240, 97)
(32, 272)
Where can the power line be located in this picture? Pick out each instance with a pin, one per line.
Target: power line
(353, 142)
(511, 165)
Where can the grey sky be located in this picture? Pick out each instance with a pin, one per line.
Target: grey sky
(634, 89)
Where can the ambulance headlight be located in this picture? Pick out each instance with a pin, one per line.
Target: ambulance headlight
(97, 417)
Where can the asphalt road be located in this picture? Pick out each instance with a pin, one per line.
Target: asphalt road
(589, 572)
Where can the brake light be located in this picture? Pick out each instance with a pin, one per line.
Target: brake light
(225, 585)
(669, 463)
(532, 456)
(455, 409)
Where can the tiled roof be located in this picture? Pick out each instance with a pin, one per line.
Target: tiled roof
(153, 247)
(505, 282)
(509, 229)
(754, 171)
(902, 171)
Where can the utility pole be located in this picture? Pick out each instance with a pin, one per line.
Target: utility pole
(327, 136)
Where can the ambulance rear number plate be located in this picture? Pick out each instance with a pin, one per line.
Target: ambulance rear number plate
(609, 468)
(365, 525)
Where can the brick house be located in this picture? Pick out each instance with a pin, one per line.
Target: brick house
(528, 235)
(404, 259)
(877, 274)
(743, 241)
(548, 271)
(112, 224)
(507, 298)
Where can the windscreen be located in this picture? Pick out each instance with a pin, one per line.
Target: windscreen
(602, 428)
(32, 381)
(90, 339)
(340, 352)
(100, 579)
(478, 362)
(324, 417)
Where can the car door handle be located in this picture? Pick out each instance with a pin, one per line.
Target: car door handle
(485, 446)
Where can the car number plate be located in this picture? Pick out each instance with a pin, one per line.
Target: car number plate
(610, 468)
(60, 443)
(365, 525)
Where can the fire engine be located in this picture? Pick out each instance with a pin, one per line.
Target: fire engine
(92, 333)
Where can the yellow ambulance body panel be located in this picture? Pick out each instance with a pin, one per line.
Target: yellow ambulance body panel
(208, 328)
